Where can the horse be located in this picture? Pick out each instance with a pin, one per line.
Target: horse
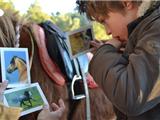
(20, 64)
(26, 97)
(101, 108)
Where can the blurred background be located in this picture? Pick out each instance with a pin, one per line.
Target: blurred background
(63, 13)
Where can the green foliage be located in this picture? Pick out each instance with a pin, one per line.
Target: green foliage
(67, 22)
(72, 21)
(36, 14)
(100, 33)
(6, 5)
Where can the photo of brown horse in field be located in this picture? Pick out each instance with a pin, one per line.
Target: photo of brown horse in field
(101, 108)
(19, 64)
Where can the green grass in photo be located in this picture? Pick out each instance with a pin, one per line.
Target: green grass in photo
(16, 99)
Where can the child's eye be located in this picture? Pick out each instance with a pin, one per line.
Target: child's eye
(101, 21)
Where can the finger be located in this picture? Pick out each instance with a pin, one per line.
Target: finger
(55, 106)
(3, 86)
(61, 109)
(95, 44)
(122, 49)
(61, 103)
(4, 83)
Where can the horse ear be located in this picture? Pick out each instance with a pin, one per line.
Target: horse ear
(14, 57)
(13, 60)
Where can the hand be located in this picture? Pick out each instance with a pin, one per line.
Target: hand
(3, 86)
(56, 114)
(96, 43)
(115, 42)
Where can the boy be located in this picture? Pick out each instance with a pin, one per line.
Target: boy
(130, 78)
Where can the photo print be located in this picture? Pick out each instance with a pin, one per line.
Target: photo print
(79, 41)
(15, 66)
(30, 98)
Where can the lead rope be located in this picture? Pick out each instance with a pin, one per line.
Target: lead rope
(32, 48)
(32, 51)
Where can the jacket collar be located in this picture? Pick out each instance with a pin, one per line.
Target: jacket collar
(144, 10)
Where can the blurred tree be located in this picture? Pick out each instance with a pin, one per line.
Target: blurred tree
(7, 5)
(72, 21)
(67, 22)
(100, 32)
(36, 14)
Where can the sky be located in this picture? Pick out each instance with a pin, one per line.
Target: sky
(48, 6)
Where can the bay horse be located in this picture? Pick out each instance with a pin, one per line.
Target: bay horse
(19, 64)
(101, 108)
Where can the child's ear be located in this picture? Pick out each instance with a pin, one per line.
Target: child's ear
(128, 4)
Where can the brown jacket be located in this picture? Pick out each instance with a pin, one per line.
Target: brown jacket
(132, 80)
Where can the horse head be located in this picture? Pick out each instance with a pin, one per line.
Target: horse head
(12, 67)
(28, 94)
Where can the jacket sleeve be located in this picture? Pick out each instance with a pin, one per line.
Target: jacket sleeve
(130, 83)
(9, 113)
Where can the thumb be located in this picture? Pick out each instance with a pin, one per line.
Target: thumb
(61, 103)
(3, 86)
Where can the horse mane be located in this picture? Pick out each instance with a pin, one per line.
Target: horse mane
(18, 58)
(11, 24)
